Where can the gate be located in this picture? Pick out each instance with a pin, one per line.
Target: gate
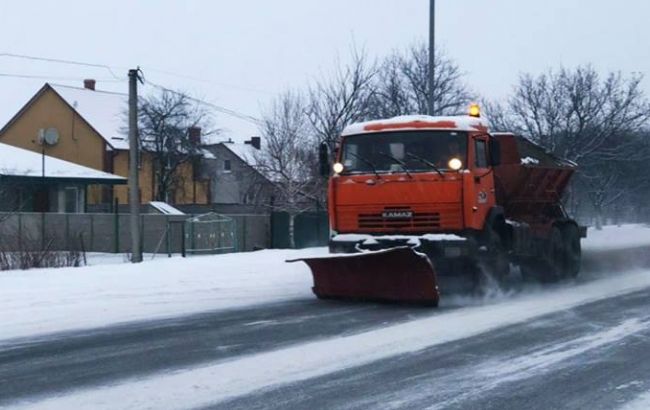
(210, 234)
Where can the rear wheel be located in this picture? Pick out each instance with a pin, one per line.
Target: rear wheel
(562, 255)
(573, 256)
(555, 256)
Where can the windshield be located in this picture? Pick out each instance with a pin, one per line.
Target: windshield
(418, 151)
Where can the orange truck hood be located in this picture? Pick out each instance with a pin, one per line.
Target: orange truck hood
(434, 203)
(397, 190)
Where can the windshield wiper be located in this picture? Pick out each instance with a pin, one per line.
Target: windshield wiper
(426, 162)
(367, 162)
(398, 161)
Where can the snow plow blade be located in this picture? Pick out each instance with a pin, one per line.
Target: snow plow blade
(394, 275)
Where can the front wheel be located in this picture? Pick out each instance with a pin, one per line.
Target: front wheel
(496, 258)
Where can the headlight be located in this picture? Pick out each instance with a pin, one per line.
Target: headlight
(455, 164)
(337, 167)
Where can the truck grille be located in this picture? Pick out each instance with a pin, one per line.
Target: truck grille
(404, 219)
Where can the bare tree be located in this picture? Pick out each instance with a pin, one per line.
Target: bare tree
(498, 116)
(578, 115)
(288, 157)
(342, 98)
(611, 182)
(164, 123)
(402, 84)
(392, 96)
(451, 95)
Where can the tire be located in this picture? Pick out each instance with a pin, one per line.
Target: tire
(573, 256)
(561, 258)
(531, 272)
(548, 267)
(496, 259)
(563, 254)
(555, 256)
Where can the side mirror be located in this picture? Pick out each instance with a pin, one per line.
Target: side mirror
(323, 159)
(495, 152)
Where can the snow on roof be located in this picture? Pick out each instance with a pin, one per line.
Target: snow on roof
(207, 154)
(104, 111)
(246, 152)
(416, 122)
(18, 162)
(165, 209)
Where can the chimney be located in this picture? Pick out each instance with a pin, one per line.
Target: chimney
(256, 142)
(89, 84)
(195, 135)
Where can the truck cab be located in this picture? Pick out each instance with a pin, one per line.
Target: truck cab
(413, 175)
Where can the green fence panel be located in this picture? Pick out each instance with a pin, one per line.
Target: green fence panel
(310, 229)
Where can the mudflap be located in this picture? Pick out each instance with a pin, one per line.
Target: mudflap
(394, 275)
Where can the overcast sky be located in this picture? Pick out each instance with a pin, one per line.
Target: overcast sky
(239, 54)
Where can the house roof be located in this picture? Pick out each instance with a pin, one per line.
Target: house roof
(22, 163)
(246, 152)
(165, 209)
(104, 111)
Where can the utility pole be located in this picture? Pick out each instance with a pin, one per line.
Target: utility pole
(432, 53)
(134, 188)
(44, 191)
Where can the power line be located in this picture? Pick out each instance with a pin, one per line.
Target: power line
(111, 69)
(202, 80)
(61, 61)
(218, 108)
(49, 77)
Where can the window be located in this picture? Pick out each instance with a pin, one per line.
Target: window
(71, 200)
(418, 150)
(227, 166)
(481, 154)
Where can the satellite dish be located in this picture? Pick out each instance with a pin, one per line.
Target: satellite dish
(51, 136)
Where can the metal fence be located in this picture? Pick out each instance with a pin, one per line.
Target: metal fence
(310, 229)
(111, 232)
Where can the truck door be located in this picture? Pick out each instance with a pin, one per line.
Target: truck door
(484, 192)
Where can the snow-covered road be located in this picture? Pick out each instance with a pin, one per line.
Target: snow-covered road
(570, 322)
(587, 357)
(578, 340)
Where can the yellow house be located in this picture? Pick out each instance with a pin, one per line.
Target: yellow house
(90, 126)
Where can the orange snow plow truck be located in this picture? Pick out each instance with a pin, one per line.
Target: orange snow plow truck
(420, 205)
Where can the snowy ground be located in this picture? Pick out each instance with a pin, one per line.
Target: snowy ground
(640, 403)
(617, 237)
(43, 301)
(110, 291)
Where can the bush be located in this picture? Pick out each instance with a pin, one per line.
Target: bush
(33, 254)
